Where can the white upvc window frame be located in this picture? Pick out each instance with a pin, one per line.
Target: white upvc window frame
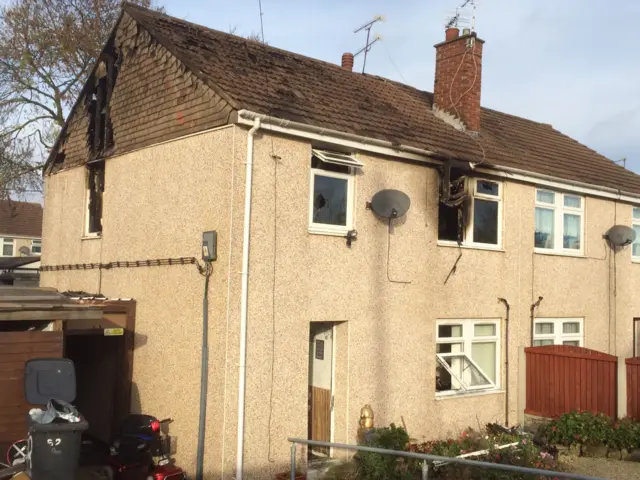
(467, 340)
(559, 210)
(558, 336)
(635, 224)
(492, 198)
(6, 241)
(472, 191)
(337, 159)
(39, 244)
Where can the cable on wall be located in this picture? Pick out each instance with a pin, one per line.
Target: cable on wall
(155, 262)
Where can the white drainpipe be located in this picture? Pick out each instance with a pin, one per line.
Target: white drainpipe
(242, 363)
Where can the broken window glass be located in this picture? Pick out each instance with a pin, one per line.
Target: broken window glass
(329, 200)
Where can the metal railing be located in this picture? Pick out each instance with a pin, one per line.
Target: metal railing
(431, 458)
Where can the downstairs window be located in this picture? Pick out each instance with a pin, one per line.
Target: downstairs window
(467, 356)
(558, 331)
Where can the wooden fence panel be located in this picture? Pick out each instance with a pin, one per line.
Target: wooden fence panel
(633, 387)
(563, 378)
(15, 349)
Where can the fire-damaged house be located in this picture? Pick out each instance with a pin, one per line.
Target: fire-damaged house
(365, 229)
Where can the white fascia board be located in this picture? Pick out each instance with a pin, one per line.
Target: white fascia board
(372, 145)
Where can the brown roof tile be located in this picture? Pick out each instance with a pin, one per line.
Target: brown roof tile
(271, 81)
(21, 219)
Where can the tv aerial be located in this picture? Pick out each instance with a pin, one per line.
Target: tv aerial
(367, 46)
(460, 17)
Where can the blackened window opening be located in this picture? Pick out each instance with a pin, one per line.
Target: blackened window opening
(100, 116)
(96, 190)
(450, 217)
(100, 133)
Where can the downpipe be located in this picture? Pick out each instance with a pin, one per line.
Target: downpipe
(242, 362)
(533, 315)
(506, 360)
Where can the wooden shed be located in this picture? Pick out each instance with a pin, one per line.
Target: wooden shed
(95, 332)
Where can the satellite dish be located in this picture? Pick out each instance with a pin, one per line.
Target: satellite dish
(390, 203)
(25, 250)
(621, 235)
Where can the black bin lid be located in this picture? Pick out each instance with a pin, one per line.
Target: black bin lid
(49, 378)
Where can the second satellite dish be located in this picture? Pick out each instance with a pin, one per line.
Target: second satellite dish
(621, 235)
(390, 203)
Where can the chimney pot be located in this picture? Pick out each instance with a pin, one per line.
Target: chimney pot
(347, 61)
(452, 33)
(466, 31)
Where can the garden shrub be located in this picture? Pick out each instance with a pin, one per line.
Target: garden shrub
(594, 429)
(377, 466)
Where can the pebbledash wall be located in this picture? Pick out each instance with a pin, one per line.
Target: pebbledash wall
(159, 199)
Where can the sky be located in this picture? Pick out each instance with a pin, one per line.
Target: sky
(571, 63)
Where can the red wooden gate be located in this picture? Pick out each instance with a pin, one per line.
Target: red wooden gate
(562, 378)
(633, 387)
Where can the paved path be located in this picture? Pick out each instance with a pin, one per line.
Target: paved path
(602, 467)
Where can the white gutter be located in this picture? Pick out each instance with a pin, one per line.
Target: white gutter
(242, 362)
(373, 145)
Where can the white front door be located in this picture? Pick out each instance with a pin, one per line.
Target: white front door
(320, 383)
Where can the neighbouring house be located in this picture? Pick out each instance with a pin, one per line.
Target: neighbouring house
(317, 306)
(21, 242)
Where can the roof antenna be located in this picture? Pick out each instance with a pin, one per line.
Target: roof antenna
(261, 23)
(460, 16)
(622, 161)
(367, 47)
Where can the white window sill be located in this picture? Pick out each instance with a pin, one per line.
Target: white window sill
(330, 232)
(635, 260)
(91, 237)
(477, 393)
(544, 251)
(444, 243)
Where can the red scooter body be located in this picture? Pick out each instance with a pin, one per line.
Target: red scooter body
(139, 452)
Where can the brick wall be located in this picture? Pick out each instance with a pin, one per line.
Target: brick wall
(155, 99)
(458, 79)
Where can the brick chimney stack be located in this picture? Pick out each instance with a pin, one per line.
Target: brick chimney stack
(347, 61)
(458, 77)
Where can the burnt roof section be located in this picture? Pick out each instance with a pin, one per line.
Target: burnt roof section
(20, 219)
(276, 82)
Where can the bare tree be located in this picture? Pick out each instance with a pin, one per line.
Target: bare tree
(47, 48)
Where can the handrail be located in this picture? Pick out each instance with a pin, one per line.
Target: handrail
(433, 458)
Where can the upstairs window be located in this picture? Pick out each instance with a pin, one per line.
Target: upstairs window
(635, 248)
(36, 246)
(95, 190)
(467, 355)
(331, 192)
(474, 218)
(559, 222)
(8, 247)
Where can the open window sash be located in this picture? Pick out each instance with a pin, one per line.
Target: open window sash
(471, 377)
(337, 158)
